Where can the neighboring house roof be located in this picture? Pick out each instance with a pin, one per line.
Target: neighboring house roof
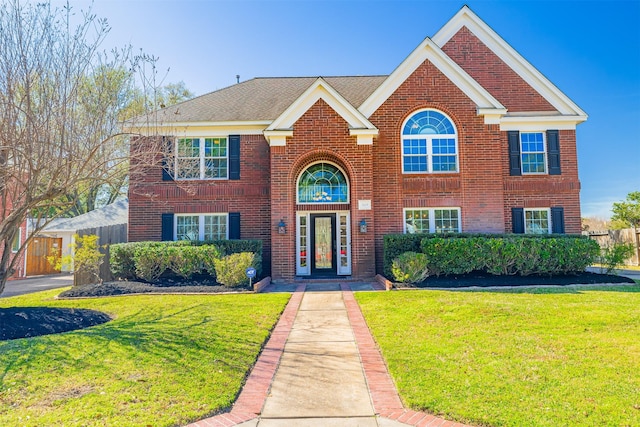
(264, 98)
(113, 214)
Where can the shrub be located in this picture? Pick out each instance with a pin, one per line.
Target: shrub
(121, 260)
(500, 254)
(208, 254)
(185, 261)
(614, 256)
(230, 270)
(228, 247)
(453, 256)
(410, 267)
(151, 261)
(397, 244)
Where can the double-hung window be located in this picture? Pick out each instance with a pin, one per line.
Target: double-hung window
(429, 143)
(533, 153)
(537, 221)
(201, 227)
(202, 158)
(432, 220)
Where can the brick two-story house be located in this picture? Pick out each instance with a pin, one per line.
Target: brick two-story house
(465, 136)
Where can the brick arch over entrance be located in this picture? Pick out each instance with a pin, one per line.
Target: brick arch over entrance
(315, 157)
(321, 134)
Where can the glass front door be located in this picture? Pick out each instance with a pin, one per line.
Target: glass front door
(323, 237)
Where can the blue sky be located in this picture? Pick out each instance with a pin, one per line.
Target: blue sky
(589, 49)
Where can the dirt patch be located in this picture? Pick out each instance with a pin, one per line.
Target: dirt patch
(487, 280)
(26, 322)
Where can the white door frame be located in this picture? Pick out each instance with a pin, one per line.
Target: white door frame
(342, 244)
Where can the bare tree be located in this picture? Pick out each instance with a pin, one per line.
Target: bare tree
(60, 104)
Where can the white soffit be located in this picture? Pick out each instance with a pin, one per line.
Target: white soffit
(486, 104)
(466, 18)
(359, 126)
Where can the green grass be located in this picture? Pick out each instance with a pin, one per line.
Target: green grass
(548, 357)
(163, 361)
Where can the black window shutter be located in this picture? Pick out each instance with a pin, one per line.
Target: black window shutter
(557, 220)
(234, 225)
(234, 156)
(167, 165)
(167, 227)
(517, 220)
(553, 148)
(514, 153)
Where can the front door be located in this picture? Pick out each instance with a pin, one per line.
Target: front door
(323, 244)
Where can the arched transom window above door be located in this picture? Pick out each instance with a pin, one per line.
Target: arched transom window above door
(323, 183)
(429, 143)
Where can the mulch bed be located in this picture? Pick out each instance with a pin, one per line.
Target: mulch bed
(487, 280)
(133, 287)
(26, 322)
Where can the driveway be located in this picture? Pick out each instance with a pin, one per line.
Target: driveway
(35, 284)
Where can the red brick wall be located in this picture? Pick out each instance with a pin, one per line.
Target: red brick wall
(493, 74)
(477, 189)
(150, 197)
(544, 191)
(320, 135)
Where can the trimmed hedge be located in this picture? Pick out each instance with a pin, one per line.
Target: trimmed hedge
(410, 267)
(230, 269)
(499, 254)
(149, 260)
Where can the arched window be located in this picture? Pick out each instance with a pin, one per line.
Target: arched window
(429, 143)
(323, 183)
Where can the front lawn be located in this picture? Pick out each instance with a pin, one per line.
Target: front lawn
(545, 357)
(162, 361)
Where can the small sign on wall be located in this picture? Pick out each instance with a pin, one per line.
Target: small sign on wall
(364, 205)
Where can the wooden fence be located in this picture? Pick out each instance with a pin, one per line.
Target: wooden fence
(609, 237)
(107, 235)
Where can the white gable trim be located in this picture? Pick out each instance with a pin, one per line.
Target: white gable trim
(466, 18)
(359, 126)
(540, 122)
(428, 51)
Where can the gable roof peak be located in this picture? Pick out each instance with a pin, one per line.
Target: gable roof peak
(467, 18)
(428, 50)
(282, 126)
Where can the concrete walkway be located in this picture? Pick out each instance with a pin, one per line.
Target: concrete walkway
(321, 367)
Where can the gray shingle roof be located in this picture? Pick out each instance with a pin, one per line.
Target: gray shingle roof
(263, 99)
(113, 214)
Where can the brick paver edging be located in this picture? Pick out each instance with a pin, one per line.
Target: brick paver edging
(249, 403)
(385, 399)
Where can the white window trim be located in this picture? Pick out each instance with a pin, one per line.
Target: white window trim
(545, 152)
(549, 225)
(429, 138)
(201, 141)
(432, 217)
(200, 223)
(346, 178)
